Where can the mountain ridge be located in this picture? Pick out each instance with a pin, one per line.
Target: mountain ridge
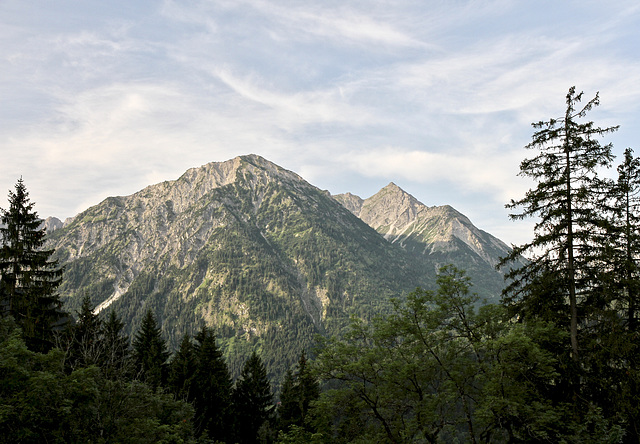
(401, 218)
(250, 249)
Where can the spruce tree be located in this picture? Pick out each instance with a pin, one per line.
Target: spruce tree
(150, 352)
(117, 361)
(212, 399)
(182, 370)
(289, 412)
(252, 400)
(623, 238)
(299, 390)
(85, 343)
(565, 203)
(28, 276)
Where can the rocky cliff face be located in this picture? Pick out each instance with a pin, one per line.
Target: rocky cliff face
(433, 236)
(52, 224)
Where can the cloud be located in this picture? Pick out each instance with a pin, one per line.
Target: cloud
(491, 172)
(337, 22)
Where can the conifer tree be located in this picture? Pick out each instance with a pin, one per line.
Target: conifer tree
(565, 201)
(182, 370)
(28, 276)
(623, 237)
(150, 352)
(288, 408)
(85, 343)
(299, 390)
(116, 362)
(212, 399)
(252, 400)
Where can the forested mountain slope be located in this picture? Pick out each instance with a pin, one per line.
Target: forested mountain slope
(256, 252)
(244, 246)
(436, 235)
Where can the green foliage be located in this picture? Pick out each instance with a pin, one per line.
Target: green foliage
(149, 352)
(182, 370)
(41, 403)
(438, 370)
(252, 401)
(565, 201)
(116, 362)
(212, 397)
(28, 276)
(583, 274)
(299, 390)
(82, 341)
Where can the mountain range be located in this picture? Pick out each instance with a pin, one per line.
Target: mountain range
(261, 255)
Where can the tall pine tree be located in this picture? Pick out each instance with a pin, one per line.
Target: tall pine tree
(623, 237)
(85, 345)
(299, 390)
(565, 203)
(150, 352)
(252, 400)
(117, 360)
(182, 370)
(28, 276)
(212, 399)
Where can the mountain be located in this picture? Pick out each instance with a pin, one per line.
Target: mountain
(52, 224)
(261, 255)
(244, 246)
(439, 234)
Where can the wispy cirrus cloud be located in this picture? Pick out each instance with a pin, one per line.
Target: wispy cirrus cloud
(103, 98)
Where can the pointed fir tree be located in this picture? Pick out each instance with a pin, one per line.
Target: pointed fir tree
(116, 353)
(28, 276)
(298, 391)
(182, 370)
(565, 201)
(623, 237)
(212, 399)
(150, 352)
(252, 400)
(288, 407)
(85, 344)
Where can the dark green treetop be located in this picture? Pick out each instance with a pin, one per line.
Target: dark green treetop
(182, 370)
(565, 169)
(150, 352)
(28, 276)
(252, 400)
(299, 390)
(212, 399)
(116, 353)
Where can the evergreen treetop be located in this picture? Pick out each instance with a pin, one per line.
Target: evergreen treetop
(28, 276)
(565, 203)
(150, 352)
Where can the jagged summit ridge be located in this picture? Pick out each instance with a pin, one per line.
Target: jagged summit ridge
(402, 219)
(157, 223)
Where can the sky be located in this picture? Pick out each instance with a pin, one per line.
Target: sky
(100, 98)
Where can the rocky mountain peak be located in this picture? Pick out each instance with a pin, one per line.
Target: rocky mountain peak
(52, 224)
(390, 207)
(403, 219)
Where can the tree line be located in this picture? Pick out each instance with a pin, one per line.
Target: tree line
(556, 361)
